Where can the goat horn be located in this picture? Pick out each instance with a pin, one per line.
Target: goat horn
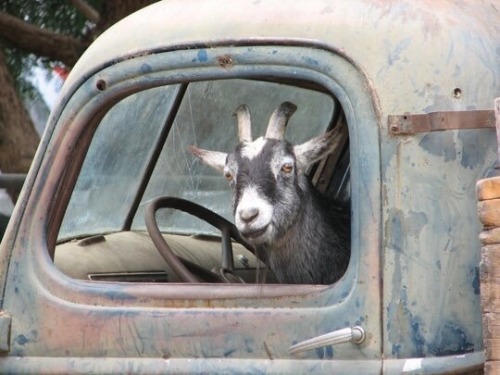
(244, 125)
(279, 119)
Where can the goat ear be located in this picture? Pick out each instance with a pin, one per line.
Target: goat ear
(316, 148)
(214, 159)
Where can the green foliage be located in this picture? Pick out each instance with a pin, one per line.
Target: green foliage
(57, 15)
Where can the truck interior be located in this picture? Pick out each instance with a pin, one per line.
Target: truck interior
(139, 153)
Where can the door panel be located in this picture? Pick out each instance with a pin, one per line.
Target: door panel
(253, 322)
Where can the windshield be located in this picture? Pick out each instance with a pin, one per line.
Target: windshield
(115, 177)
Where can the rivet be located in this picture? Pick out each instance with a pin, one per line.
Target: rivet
(101, 85)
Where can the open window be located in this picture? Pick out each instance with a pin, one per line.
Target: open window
(140, 151)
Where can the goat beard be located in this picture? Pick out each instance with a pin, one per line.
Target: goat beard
(274, 236)
(261, 238)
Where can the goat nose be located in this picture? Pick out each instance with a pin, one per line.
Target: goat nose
(249, 214)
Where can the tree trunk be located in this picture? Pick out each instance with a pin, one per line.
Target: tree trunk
(18, 137)
(113, 11)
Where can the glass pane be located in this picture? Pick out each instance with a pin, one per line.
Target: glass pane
(115, 162)
(205, 119)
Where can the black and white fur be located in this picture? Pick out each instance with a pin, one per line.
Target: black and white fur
(304, 235)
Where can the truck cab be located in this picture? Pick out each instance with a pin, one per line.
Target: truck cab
(84, 281)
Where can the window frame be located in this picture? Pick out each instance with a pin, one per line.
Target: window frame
(161, 124)
(84, 110)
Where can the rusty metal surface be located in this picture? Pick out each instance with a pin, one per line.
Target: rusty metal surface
(430, 51)
(202, 366)
(190, 321)
(413, 281)
(439, 121)
(5, 323)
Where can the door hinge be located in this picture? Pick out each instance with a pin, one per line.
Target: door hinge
(409, 124)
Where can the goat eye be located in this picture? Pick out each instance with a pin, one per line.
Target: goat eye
(287, 168)
(228, 176)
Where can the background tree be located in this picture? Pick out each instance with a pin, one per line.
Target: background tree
(48, 33)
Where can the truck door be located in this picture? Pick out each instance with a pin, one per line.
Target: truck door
(120, 139)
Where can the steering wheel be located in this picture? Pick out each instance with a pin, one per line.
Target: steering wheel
(228, 230)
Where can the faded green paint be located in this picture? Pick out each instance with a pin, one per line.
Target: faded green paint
(412, 284)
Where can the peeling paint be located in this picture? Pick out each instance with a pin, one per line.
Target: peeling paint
(398, 226)
(404, 325)
(202, 55)
(397, 51)
(451, 339)
(440, 144)
(325, 352)
(146, 68)
(21, 340)
(472, 156)
(476, 281)
(311, 61)
(420, 276)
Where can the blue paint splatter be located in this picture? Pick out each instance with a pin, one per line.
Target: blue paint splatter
(117, 295)
(249, 344)
(472, 156)
(311, 61)
(440, 144)
(329, 352)
(396, 348)
(476, 281)
(417, 337)
(325, 352)
(146, 68)
(202, 55)
(320, 352)
(403, 323)
(395, 54)
(451, 339)
(21, 340)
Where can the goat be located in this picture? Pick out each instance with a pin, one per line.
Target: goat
(304, 235)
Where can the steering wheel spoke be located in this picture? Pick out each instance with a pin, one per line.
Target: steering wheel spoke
(225, 273)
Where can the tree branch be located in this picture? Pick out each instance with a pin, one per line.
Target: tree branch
(41, 42)
(86, 10)
(113, 11)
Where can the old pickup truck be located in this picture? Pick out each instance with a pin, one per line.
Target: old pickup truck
(87, 284)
